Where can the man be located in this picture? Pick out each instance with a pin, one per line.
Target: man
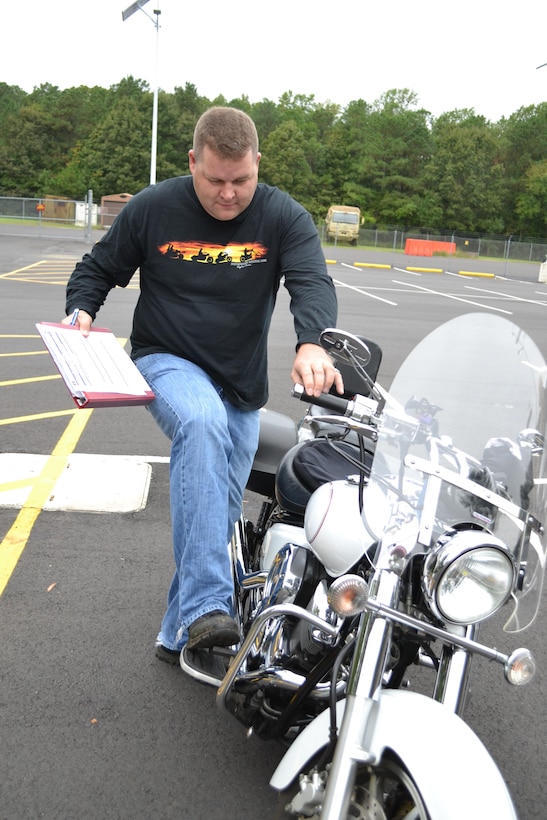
(212, 248)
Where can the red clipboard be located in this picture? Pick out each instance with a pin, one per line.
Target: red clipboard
(95, 369)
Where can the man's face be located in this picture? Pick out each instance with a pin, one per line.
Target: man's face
(224, 186)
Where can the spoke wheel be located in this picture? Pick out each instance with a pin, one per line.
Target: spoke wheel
(382, 792)
(386, 792)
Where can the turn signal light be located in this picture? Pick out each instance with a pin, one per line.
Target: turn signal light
(520, 667)
(347, 595)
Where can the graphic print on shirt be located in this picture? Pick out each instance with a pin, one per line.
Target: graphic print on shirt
(233, 254)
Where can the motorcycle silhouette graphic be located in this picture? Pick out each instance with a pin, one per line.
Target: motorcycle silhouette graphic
(201, 256)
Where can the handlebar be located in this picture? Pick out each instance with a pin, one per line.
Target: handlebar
(336, 404)
(359, 408)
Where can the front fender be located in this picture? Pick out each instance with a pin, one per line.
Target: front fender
(451, 767)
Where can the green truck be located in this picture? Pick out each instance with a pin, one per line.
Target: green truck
(343, 223)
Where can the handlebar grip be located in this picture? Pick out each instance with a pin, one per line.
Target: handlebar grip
(336, 404)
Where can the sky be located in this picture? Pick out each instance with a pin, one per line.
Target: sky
(452, 55)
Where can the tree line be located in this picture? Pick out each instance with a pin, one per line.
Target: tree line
(399, 164)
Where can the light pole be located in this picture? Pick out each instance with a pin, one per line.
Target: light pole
(138, 6)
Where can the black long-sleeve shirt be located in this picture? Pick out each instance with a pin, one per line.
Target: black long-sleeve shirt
(208, 287)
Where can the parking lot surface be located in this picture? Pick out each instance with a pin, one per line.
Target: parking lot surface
(91, 725)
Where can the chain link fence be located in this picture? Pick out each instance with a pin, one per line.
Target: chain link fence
(16, 212)
(471, 246)
(75, 219)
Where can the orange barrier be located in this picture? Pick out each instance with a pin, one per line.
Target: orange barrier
(428, 247)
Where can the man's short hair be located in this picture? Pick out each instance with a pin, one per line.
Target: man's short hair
(228, 132)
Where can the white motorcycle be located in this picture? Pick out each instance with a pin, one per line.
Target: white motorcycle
(433, 523)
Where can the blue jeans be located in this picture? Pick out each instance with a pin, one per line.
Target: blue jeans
(213, 445)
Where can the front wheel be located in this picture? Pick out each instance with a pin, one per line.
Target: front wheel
(382, 792)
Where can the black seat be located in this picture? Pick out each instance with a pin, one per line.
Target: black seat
(308, 465)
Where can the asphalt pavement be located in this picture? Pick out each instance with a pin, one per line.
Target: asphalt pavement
(91, 724)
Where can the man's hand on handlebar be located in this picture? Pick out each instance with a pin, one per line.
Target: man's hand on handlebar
(314, 370)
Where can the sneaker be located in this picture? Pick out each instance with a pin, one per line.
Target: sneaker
(214, 629)
(171, 656)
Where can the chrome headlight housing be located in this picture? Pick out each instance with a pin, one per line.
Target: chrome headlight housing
(467, 576)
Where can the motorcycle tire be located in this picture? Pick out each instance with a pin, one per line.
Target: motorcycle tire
(385, 791)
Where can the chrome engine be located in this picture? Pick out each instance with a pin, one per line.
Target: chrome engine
(281, 659)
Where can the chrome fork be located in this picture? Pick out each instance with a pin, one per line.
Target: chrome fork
(373, 644)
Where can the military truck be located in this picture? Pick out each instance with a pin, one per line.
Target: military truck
(343, 223)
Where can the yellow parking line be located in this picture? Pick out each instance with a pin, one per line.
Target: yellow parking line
(39, 416)
(27, 353)
(8, 486)
(15, 541)
(30, 380)
(19, 270)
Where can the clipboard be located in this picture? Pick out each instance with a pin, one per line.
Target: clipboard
(96, 369)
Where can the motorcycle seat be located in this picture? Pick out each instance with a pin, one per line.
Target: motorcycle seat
(308, 465)
(278, 433)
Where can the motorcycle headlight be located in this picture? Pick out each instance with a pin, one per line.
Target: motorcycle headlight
(467, 576)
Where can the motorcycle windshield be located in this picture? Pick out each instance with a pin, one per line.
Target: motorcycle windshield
(461, 444)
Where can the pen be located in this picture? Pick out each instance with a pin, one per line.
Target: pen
(74, 318)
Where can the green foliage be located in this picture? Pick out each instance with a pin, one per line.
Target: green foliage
(285, 162)
(11, 99)
(532, 201)
(401, 166)
(523, 142)
(464, 176)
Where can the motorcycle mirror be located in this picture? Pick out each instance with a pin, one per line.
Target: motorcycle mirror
(345, 347)
(533, 439)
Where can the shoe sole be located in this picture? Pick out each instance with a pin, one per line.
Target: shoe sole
(214, 636)
(167, 655)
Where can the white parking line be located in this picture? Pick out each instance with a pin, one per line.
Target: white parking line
(451, 296)
(409, 272)
(364, 292)
(507, 295)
